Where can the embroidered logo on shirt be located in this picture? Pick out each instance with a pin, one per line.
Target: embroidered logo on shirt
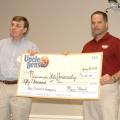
(105, 46)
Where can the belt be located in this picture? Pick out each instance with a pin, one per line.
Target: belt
(9, 82)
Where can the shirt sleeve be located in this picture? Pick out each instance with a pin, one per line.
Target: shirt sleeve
(84, 49)
(35, 48)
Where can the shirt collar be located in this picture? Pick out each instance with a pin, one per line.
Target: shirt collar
(104, 38)
(18, 42)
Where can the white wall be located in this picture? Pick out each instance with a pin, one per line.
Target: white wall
(56, 25)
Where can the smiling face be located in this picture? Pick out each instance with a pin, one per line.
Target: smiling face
(44, 61)
(99, 25)
(17, 29)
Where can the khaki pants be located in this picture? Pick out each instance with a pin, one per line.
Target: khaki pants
(106, 108)
(10, 105)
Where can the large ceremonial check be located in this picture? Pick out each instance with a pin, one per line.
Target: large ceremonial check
(73, 76)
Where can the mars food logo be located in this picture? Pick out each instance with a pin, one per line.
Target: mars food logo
(35, 61)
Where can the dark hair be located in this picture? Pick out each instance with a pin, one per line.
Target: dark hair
(21, 18)
(105, 17)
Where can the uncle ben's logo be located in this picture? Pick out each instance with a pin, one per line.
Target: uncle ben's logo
(35, 61)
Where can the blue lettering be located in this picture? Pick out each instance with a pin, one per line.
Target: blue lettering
(31, 59)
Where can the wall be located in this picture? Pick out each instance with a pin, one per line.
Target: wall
(56, 26)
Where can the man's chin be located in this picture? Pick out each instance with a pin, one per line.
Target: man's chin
(97, 33)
